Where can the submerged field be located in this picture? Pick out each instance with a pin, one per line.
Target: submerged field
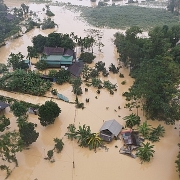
(121, 17)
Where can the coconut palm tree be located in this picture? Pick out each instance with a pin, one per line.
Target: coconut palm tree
(132, 120)
(145, 152)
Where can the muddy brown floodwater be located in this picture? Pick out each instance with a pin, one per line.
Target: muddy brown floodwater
(88, 165)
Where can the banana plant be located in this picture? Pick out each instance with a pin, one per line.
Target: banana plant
(146, 152)
(144, 129)
(94, 141)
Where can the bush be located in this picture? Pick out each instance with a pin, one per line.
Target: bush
(87, 57)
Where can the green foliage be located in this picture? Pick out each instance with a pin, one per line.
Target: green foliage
(123, 82)
(146, 152)
(156, 133)
(52, 73)
(53, 40)
(132, 120)
(108, 85)
(87, 57)
(144, 129)
(94, 73)
(10, 144)
(4, 122)
(27, 131)
(48, 112)
(84, 136)
(58, 144)
(100, 66)
(8, 171)
(154, 65)
(18, 109)
(39, 42)
(50, 154)
(79, 104)
(71, 134)
(48, 24)
(3, 68)
(8, 27)
(121, 75)
(94, 141)
(113, 68)
(41, 65)
(151, 133)
(96, 83)
(15, 60)
(24, 82)
(178, 161)
(49, 13)
(62, 76)
(118, 17)
(76, 84)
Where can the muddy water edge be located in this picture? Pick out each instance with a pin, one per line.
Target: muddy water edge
(102, 165)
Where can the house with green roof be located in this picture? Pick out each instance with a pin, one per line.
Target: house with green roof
(55, 59)
(58, 60)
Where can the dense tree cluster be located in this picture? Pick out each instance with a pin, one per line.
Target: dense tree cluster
(24, 82)
(53, 40)
(154, 63)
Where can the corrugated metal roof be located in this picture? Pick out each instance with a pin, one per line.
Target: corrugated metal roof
(62, 97)
(113, 126)
(3, 105)
(53, 58)
(53, 50)
(58, 59)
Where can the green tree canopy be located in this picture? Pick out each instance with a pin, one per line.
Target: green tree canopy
(87, 57)
(48, 112)
(18, 109)
(27, 131)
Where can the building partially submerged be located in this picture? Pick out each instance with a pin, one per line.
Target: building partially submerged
(3, 106)
(110, 130)
(131, 142)
(76, 68)
(130, 137)
(56, 57)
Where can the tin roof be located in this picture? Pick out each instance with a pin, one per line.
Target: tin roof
(113, 126)
(53, 50)
(76, 68)
(62, 97)
(3, 105)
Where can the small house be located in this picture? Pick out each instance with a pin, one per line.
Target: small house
(110, 130)
(56, 57)
(3, 105)
(130, 137)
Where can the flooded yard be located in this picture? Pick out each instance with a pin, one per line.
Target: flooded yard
(88, 165)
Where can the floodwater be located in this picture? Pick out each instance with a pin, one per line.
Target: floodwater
(88, 165)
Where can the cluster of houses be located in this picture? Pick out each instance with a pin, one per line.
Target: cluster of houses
(111, 129)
